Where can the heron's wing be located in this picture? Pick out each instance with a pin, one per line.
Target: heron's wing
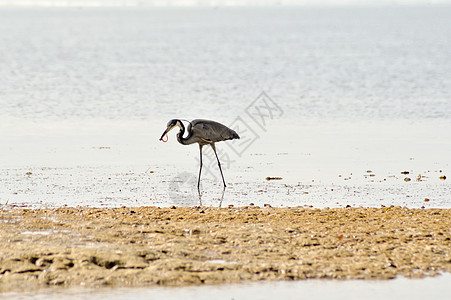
(211, 131)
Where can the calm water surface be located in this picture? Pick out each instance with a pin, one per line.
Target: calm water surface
(142, 63)
(353, 97)
(401, 288)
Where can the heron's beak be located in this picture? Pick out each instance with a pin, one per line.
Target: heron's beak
(166, 131)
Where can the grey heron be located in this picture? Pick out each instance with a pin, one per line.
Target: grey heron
(203, 132)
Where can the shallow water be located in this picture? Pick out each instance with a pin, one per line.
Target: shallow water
(401, 288)
(119, 166)
(125, 164)
(349, 103)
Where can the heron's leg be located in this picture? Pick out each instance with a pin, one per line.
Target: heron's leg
(200, 169)
(219, 164)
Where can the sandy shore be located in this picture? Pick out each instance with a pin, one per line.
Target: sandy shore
(147, 246)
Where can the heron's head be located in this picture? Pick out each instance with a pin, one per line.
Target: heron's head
(171, 125)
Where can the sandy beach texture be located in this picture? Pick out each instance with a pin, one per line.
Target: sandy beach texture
(148, 246)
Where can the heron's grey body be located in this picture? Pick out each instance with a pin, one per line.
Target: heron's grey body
(202, 132)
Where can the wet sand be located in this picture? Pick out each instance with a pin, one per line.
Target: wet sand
(179, 246)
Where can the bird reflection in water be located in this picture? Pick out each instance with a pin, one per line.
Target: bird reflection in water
(220, 199)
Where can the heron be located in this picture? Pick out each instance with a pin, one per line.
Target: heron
(203, 132)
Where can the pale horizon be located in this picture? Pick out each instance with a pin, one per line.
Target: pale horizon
(215, 3)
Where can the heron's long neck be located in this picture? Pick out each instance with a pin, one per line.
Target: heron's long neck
(180, 138)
